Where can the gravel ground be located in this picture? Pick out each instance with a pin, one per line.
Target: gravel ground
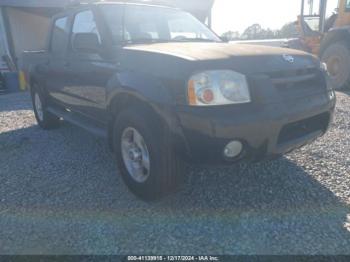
(60, 193)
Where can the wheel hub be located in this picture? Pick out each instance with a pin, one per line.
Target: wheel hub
(135, 155)
(334, 66)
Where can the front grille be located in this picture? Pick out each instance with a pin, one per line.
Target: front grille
(296, 78)
(303, 128)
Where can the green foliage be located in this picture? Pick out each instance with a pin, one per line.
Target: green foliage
(231, 35)
(256, 31)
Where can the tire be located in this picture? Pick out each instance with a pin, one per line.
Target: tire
(337, 58)
(45, 119)
(165, 172)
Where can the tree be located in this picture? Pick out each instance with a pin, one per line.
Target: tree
(289, 30)
(252, 32)
(231, 35)
(257, 32)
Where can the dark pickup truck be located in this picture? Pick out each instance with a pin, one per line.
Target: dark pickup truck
(163, 89)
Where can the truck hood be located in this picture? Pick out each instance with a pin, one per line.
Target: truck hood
(212, 51)
(242, 58)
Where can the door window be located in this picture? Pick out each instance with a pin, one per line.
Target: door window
(59, 36)
(347, 7)
(84, 22)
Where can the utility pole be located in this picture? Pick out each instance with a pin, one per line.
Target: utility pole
(323, 12)
(311, 6)
(210, 19)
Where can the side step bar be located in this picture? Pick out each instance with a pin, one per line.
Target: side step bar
(80, 121)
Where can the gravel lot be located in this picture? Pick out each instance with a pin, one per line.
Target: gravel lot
(60, 193)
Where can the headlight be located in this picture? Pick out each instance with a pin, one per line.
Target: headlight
(220, 87)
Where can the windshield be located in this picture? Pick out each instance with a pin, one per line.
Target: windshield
(145, 24)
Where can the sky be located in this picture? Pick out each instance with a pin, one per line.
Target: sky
(237, 15)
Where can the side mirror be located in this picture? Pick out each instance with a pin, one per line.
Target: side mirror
(86, 43)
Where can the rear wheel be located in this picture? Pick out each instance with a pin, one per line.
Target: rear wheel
(45, 119)
(148, 164)
(337, 58)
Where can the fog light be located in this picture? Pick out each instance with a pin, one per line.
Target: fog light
(233, 149)
(324, 67)
(331, 95)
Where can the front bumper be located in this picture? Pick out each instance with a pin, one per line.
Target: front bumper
(266, 130)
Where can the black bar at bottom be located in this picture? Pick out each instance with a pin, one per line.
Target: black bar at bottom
(167, 258)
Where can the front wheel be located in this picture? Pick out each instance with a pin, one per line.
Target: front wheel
(45, 119)
(148, 164)
(337, 58)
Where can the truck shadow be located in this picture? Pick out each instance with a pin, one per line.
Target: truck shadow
(64, 184)
(15, 102)
(346, 92)
(277, 200)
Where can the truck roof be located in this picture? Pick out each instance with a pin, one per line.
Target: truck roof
(73, 7)
(199, 8)
(161, 3)
(143, 3)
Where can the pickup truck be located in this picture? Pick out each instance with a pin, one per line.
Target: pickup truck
(164, 90)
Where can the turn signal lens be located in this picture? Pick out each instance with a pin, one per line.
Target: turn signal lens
(191, 93)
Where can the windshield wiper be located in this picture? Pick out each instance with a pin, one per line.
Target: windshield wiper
(198, 39)
(150, 40)
(146, 41)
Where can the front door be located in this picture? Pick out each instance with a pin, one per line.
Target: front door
(88, 72)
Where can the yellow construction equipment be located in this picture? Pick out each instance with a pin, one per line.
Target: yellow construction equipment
(328, 37)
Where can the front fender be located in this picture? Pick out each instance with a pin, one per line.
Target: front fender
(148, 89)
(140, 85)
(155, 93)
